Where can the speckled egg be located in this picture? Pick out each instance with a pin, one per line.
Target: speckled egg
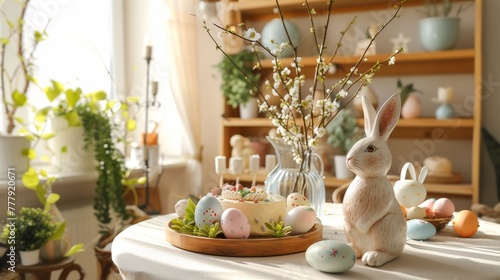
(416, 212)
(330, 256)
(208, 211)
(443, 208)
(296, 199)
(180, 207)
(301, 219)
(465, 223)
(419, 229)
(235, 224)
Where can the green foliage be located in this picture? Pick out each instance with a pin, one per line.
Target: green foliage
(98, 134)
(279, 229)
(238, 77)
(211, 231)
(405, 90)
(34, 227)
(493, 148)
(343, 131)
(433, 8)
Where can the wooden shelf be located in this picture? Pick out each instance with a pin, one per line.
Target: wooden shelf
(448, 62)
(406, 128)
(417, 63)
(264, 9)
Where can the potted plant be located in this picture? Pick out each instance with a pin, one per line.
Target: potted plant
(342, 133)
(16, 76)
(31, 230)
(239, 83)
(439, 29)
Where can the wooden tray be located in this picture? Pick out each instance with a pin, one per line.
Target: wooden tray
(251, 247)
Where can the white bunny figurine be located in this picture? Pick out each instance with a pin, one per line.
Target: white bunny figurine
(373, 221)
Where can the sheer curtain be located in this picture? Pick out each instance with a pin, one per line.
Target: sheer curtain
(182, 64)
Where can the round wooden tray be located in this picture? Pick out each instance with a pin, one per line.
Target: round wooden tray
(251, 247)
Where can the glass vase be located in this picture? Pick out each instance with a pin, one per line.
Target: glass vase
(290, 177)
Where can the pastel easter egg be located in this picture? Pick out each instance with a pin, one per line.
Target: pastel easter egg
(330, 256)
(180, 207)
(208, 211)
(296, 199)
(416, 212)
(419, 229)
(301, 219)
(235, 224)
(429, 203)
(443, 208)
(465, 223)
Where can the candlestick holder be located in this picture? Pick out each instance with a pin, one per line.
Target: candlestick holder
(147, 206)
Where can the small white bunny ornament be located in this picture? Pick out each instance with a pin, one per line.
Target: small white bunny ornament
(373, 221)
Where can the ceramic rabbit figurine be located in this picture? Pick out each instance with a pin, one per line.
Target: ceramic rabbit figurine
(373, 221)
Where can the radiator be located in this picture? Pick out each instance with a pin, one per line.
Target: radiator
(82, 227)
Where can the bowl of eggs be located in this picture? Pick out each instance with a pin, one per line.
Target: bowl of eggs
(438, 212)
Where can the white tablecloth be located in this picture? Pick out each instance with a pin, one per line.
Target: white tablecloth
(142, 252)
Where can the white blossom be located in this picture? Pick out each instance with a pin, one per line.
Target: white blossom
(251, 35)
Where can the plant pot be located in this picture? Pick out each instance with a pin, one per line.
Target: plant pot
(439, 33)
(249, 110)
(341, 170)
(11, 148)
(75, 158)
(30, 257)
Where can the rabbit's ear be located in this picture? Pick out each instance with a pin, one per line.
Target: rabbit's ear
(387, 117)
(368, 114)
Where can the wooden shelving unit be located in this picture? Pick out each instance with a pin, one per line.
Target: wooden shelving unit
(460, 61)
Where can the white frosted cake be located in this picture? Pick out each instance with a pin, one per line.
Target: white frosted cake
(258, 206)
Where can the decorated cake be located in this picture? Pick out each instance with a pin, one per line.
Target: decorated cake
(258, 206)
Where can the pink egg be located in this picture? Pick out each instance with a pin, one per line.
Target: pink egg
(429, 212)
(428, 203)
(443, 208)
(235, 224)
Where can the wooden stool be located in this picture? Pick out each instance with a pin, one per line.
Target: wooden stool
(43, 270)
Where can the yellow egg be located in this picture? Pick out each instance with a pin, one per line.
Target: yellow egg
(465, 223)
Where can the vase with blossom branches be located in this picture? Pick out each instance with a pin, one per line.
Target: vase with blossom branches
(301, 117)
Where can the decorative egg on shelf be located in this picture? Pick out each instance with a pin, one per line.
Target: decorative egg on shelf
(412, 108)
(273, 34)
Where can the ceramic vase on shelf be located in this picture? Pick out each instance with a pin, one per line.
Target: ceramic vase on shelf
(289, 177)
(275, 32)
(250, 109)
(439, 33)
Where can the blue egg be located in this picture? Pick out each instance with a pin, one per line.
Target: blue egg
(208, 211)
(419, 229)
(331, 256)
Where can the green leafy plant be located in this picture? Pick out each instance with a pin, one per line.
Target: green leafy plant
(343, 131)
(99, 136)
(238, 82)
(432, 8)
(15, 81)
(211, 231)
(279, 229)
(33, 229)
(493, 148)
